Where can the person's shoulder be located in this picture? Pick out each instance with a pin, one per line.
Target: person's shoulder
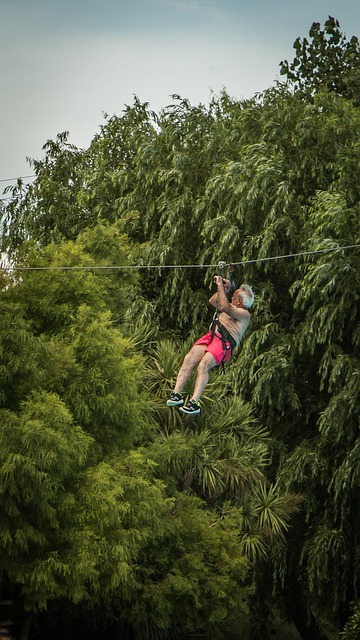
(242, 315)
(241, 310)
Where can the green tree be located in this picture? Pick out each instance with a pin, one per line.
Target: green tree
(72, 493)
(352, 626)
(222, 457)
(328, 60)
(87, 512)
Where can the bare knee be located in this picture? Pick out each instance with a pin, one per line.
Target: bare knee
(188, 360)
(188, 363)
(193, 357)
(207, 363)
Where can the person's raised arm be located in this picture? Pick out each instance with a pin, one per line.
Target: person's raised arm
(224, 286)
(220, 301)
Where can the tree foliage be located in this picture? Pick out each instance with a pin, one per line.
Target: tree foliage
(327, 60)
(88, 506)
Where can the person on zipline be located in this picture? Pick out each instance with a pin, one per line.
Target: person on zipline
(216, 346)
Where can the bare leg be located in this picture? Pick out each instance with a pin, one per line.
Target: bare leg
(202, 377)
(190, 361)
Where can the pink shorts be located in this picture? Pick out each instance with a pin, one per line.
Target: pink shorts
(215, 347)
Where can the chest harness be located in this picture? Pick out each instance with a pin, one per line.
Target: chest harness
(216, 327)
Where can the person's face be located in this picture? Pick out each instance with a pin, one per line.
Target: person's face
(237, 298)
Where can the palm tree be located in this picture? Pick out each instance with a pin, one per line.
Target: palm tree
(221, 456)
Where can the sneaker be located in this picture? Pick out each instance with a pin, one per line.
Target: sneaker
(191, 408)
(175, 400)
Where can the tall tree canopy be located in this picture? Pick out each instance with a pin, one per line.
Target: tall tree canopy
(327, 60)
(106, 505)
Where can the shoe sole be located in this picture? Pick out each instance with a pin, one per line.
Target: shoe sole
(189, 413)
(179, 403)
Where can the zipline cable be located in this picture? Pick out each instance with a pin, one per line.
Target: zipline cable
(19, 178)
(177, 266)
(296, 255)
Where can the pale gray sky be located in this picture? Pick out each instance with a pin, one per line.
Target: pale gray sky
(65, 62)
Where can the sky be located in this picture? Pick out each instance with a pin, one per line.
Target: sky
(65, 63)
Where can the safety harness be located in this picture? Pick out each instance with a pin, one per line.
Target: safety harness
(216, 327)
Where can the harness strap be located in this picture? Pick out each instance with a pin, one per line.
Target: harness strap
(224, 335)
(216, 324)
